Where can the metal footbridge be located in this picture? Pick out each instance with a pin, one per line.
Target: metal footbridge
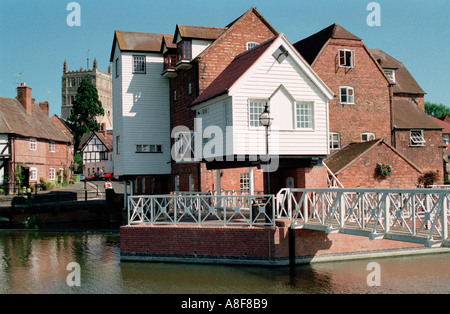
(412, 215)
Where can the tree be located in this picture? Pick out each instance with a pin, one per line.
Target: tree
(86, 107)
(436, 110)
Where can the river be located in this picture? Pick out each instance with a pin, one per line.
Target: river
(37, 263)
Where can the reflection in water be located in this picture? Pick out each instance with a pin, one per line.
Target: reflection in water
(37, 263)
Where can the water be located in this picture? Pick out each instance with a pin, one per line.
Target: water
(36, 263)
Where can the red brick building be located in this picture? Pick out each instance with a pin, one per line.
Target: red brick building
(33, 142)
(375, 98)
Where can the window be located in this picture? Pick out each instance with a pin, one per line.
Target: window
(52, 146)
(256, 107)
(33, 143)
(416, 137)
(33, 174)
(190, 88)
(184, 50)
(116, 67)
(146, 148)
(304, 115)
(390, 74)
(367, 137)
(335, 140)
(347, 95)
(244, 182)
(252, 44)
(280, 54)
(177, 183)
(118, 145)
(446, 138)
(138, 64)
(191, 183)
(52, 174)
(346, 58)
(174, 95)
(184, 146)
(170, 61)
(72, 82)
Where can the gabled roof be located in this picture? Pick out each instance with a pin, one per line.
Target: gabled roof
(106, 140)
(445, 125)
(407, 115)
(198, 32)
(351, 152)
(232, 25)
(137, 41)
(404, 81)
(311, 46)
(233, 72)
(15, 120)
(168, 42)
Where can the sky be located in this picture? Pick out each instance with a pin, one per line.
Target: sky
(35, 37)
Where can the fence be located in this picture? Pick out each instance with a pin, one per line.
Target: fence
(416, 215)
(202, 209)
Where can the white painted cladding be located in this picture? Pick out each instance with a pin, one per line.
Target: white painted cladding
(282, 85)
(142, 116)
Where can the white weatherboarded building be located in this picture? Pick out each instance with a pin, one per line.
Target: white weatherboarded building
(275, 74)
(141, 106)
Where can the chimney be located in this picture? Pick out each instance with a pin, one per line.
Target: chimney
(45, 107)
(24, 97)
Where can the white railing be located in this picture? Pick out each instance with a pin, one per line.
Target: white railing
(416, 215)
(202, 209)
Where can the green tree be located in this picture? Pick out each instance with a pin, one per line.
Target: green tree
(436, 110)
(86, 107)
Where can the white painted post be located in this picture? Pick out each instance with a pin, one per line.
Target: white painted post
(342, 209)
(444, 218)
(387, 205)
(305, 207)
(219, 188)
(251, 181)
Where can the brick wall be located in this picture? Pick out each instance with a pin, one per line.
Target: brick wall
(371, 111)
(267, 246)
(200, 75)
(41, 158)
(427, 157)
(362, 173)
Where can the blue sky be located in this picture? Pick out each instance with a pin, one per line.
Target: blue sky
(35, 38)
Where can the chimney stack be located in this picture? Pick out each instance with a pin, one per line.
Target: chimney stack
(24, 97)
(44, 105)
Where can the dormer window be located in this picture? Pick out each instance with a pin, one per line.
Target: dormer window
(252, 44)
(185, 49)
(170, 61)
(390, 74)
(346, 58)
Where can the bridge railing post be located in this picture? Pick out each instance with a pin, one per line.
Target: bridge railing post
(387, 208)
(444, 218)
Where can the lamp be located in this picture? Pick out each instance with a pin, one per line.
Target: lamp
(265, 118)
(266, 121)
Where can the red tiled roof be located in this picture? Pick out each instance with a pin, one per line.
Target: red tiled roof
(137, 41)
(233, 72)
(198, 32)
(407, 115)
(445, 125)
(404, 81)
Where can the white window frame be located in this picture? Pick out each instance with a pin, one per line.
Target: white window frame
(139, 66)
(184, 147)
(348, 100)
(334, 141)
(255, 108)
(244, 182)
(446, 138)
(298, 115)
(52, 147)
(416, 139)
(52, 174)
(367, 136)
(33, 143)
(345, 58)
(251, 44)
(390, 73)
(33, 174)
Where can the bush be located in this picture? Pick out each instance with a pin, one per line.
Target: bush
(428, 179)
